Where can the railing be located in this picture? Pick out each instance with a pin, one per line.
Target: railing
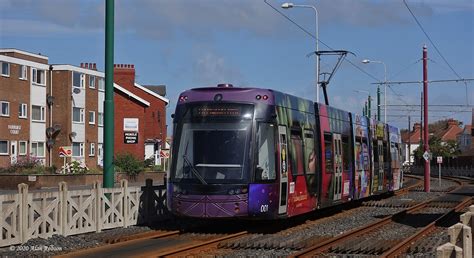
(25, 215)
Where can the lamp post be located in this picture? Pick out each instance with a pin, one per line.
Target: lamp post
(291, 5)
(366, 61)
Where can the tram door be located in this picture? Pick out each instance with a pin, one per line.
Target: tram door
(381, 164)
(283, 159)
(337, 146)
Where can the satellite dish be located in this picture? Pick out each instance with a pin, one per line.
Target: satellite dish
(72, 135)
(50, 143)
(50, 100)
(76, 90)
(50, 131)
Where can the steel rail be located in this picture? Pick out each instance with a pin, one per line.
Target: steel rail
(182, 251)
(325, 245)
(131, 240)
(405, 244)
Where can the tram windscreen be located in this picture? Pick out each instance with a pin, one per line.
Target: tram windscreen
(212, 145)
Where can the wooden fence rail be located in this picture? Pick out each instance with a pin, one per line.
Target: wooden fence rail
(25, 215)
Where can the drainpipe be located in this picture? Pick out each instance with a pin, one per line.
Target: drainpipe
(50, 108)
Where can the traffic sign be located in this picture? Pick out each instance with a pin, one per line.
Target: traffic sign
(164, 153)
(439, 159)
(65, 151)
(427, 155)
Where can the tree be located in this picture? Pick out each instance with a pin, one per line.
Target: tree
(447, 150)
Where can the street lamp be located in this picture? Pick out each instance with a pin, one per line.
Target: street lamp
(366, 61)
(291, 5)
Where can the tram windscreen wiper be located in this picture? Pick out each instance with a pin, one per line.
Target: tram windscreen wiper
(194, 170)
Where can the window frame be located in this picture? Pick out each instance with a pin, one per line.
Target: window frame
(8, 68)
(81, 149)
(36, 154)
(23, 111)
(100, 118)
(42, 114)
(92, 149)
(8, 148)
(81, 115)
(93, 116)
(270, 153)
(82, 80)
(42, 76)
(101, 81)
(23, 69)
(19, 148)
(92, 79)
(8, 108)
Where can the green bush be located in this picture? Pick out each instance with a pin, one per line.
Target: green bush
(127, 163)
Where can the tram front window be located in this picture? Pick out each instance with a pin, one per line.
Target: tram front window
(212, 152)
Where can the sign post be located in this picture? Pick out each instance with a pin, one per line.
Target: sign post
(65, 152)
(440, 160)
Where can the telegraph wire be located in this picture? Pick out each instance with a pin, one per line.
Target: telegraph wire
(314, 37)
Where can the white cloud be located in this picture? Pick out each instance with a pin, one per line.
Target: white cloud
(211, 69)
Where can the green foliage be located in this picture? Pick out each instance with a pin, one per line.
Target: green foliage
(447, 149)
(126, 162)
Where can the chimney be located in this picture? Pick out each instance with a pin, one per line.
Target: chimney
(82, 65)
(416, 126)
(94, 66)
(452, 122)
(124, 75)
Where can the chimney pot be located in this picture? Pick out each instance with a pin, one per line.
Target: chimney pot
(82, 65)
(133, 66)
(87, 66)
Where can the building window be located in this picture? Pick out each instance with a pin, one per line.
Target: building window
(100, 118)
(23, 72)
(91, 117)
(5, 69)
(78, 149)
(23, 110)
(37, 149)
(78, 115)
(92, 81)
(22, 148)
(92, 150)
(4, 108)
(101, 84)
(3, 147)
(38, 76)
(78, 80)
(37, 113)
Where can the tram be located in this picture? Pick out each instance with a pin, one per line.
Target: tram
(263, 154)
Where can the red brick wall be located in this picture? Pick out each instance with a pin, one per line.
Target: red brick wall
(62, 112)
(155, 114)
(15, 91)
(126, 107)
(92, 104)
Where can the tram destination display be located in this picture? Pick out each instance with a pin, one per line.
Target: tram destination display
(221, 111)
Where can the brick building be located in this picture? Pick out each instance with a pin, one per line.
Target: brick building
(66, 107)
(24, 81)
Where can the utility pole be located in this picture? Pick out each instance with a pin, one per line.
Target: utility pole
(378, 103)
(369, 106)
(409, 141)
(108, 178)
(425, 114)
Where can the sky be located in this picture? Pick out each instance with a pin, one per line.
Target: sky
(186, 44)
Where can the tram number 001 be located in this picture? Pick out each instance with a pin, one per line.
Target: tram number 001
(264, 208)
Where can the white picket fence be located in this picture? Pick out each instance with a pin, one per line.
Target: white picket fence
(26, 215)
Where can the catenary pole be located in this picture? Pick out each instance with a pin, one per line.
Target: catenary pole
(378, 103)
(425, 115)
(108, 178)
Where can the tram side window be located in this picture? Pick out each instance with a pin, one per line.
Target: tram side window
(328, 153)
(266, 152)
(309, 152)
(385, 153)
(345, 152)
(296, 157)
(375, 149)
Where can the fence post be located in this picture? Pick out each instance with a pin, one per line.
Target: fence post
(446, 251)
(468, 219)
(460, 235)
(63, 219)
(97, 213)
(125, 204)
(23, 198)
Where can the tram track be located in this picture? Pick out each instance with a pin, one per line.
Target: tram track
(372, 239)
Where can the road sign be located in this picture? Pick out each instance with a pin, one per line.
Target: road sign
(427, 155)
(65, 151)
(439, 159)
(164, 153)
